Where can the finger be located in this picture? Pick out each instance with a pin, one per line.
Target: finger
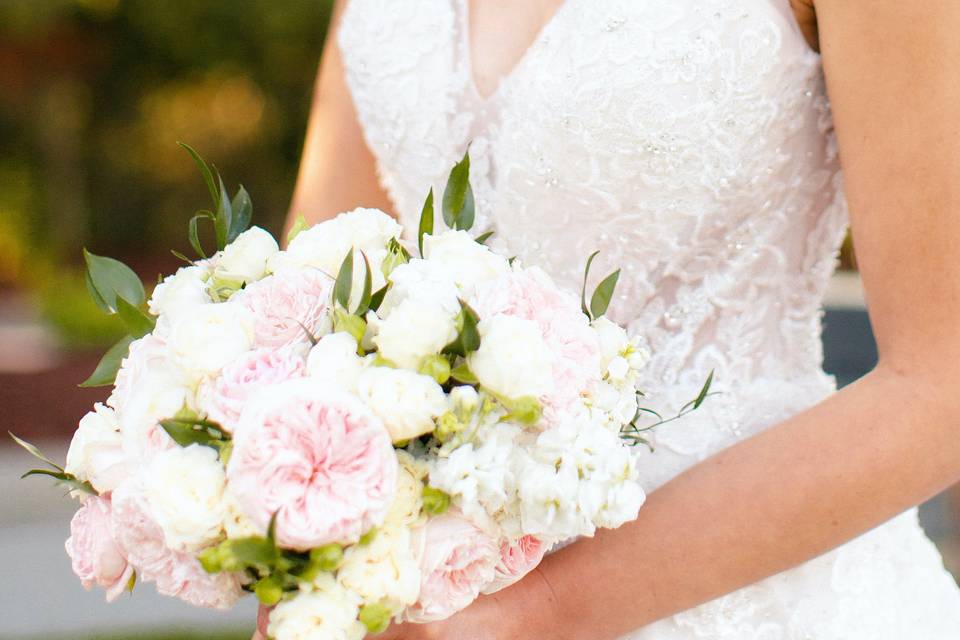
(263, 619)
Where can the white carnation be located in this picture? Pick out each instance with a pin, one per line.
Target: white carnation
(334, 359)
(513, 359)
(327, 612)
(96, 452)
(385, 571)
(181, 292)
(412, 331)
(406, 401)
(184, 487)
(246, 258)
(467, 262)
(211, 337)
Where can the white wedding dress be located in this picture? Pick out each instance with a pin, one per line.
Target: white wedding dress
(690, 141)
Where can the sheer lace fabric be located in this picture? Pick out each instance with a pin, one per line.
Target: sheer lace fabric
(691, 142)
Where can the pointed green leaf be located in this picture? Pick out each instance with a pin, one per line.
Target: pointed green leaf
(344, 284)
(111, 278)
(272, 529)
(106, 372)
(33, 450)
(458, 203)
(193, 231)
(603, 294)
(583, 289)
(186, 431)
(462, 373)
(426, 221)
(137, 322)
(224, 219)
(468, 338)
(703, 391)
(179, 256)
(366, 294)
(377, 298)
(483, 237)
(242, 214)
(64, 478)
(205, 170)
(299, 225)
(97, 298)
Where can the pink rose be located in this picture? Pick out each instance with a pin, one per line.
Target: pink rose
(286, 306)
(516, 561)
(177, 574)
(531, 294)
(458, 560)
(225, 397)
(94, 554)
(318, 458)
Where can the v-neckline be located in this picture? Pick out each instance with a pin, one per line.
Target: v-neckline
(466, 27)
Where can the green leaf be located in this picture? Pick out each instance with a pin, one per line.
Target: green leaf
(462, 373)
(703, 391)
(299, 225)
(583, 289)
(187, 431)
(377, 298)
(138, 322)
(223, 222)
(468, 338)
(603, 294)
(242, 214)
(344, 283)
(366, 294)
(272, 530)
(111, 278)
(483, 237)
(252, 551)
(426, 221)
(106, 372)
(97, 299)
(64, 478)
(458, 203)
(193, 231)
(205, 170)
(34, 450)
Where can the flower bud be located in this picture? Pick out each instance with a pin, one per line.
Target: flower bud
(437, 367)
(268, 591)
(327, 557)
(447, 427)
(375, 617)
(435, 501)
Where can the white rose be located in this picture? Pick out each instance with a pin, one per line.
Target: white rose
(180, 293)
(328, 612)
(384, 571)
(513, 359)
(406, 506)
(184, 487)
(96, 452)
(412, 331)
(245, 259)
(334, 359)
(422, 280)
(236, 523)
(211, 337)
(407, 402)
(324, 246)
(466, 261)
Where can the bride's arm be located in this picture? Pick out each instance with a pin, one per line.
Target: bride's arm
(865, 454)
(337, 170)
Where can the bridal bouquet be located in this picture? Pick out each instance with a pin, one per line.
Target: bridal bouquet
(354, 429)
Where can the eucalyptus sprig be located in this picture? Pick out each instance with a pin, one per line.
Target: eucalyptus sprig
(55, 471)
(632, 433)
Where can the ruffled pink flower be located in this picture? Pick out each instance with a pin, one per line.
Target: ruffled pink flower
(318, 458)
(225, 397)
(94, 554)
(176, 574)
(516, 560)
(531, 294)
(286, 306)
(458, 560)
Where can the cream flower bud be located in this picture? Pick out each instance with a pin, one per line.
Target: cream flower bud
(407, 402)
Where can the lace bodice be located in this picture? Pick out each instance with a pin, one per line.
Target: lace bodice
(691, 142)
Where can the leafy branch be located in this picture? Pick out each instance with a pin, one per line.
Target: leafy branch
(632, 433)
(56, 471)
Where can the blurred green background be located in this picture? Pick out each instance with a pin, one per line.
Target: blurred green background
(95, 94)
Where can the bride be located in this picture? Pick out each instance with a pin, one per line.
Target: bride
(691, 142)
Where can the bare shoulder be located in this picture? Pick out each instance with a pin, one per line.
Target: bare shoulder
(806, 16)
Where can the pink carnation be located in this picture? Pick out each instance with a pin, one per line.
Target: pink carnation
(225, 397)
(516, 561)
(531, 294)
(286, 306)
(458, 561)
(318, 458)
(176, 573)
(94, 554)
